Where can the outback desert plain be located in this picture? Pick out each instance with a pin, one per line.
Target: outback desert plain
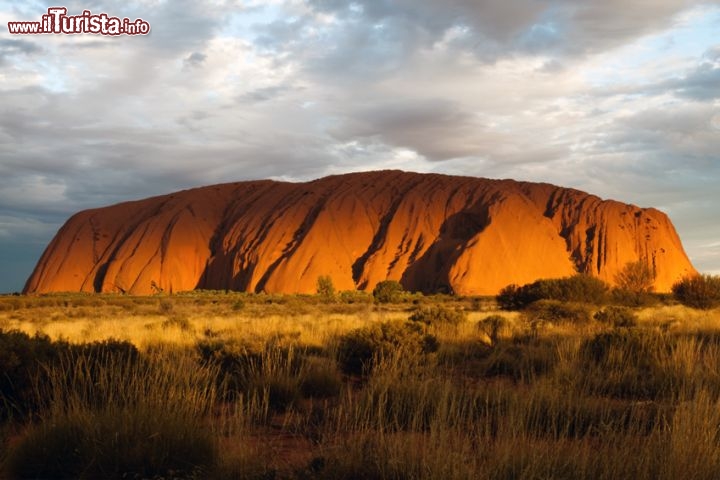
(375, 325)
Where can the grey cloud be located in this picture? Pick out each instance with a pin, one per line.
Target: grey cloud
(11, 47)
(263, 94)
(91, 45)
(370, 36)
(440, 130)
(682, 133)
(552, 66)
(604, 24)
(435, 129)
(194, 60)
(701, 84)
(496, 20)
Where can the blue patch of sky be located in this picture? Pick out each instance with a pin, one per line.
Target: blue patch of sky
(685, 44)
(243, 24)
(546, 34)
(28, 10)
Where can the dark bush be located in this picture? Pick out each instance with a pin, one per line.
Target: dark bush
(388, 291)
(236, 364)
(359, 348)
(282, 391)
(97, 359)
(114, 445)
(21, 360)
(512, 298)
(629, 298)
(578, 288)
(522, 362)
(321, 381)
(699, 291)
(617, 317)
(273, 371)
(438, 316)
(494, 326)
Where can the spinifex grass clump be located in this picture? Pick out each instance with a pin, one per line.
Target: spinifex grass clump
(114, 416)
(274, 378)
(556, 312)
(438, 316)
(24, 362)
(633, 363)
(522, 359)
(620, 317)
(359, 349)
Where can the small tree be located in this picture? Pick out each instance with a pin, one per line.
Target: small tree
(636, 277)
(387, 291)
(325, 287)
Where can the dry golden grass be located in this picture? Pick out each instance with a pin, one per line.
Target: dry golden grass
(259, 374)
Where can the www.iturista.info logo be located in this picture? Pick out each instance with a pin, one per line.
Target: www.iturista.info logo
(57, 21)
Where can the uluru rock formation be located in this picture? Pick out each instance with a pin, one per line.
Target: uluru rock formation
(431, 232)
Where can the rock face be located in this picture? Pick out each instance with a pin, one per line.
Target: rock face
(430, 232)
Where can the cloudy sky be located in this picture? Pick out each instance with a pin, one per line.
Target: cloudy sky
(620, 98)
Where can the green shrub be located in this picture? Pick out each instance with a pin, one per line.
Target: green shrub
(629, 298)
(325, 288)
(360, 348)
(699, 291)
(636, 277)
(438, 316)
(388, 291)
(355, 296)
(578, 288)
(617, 317)
(554, 311)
